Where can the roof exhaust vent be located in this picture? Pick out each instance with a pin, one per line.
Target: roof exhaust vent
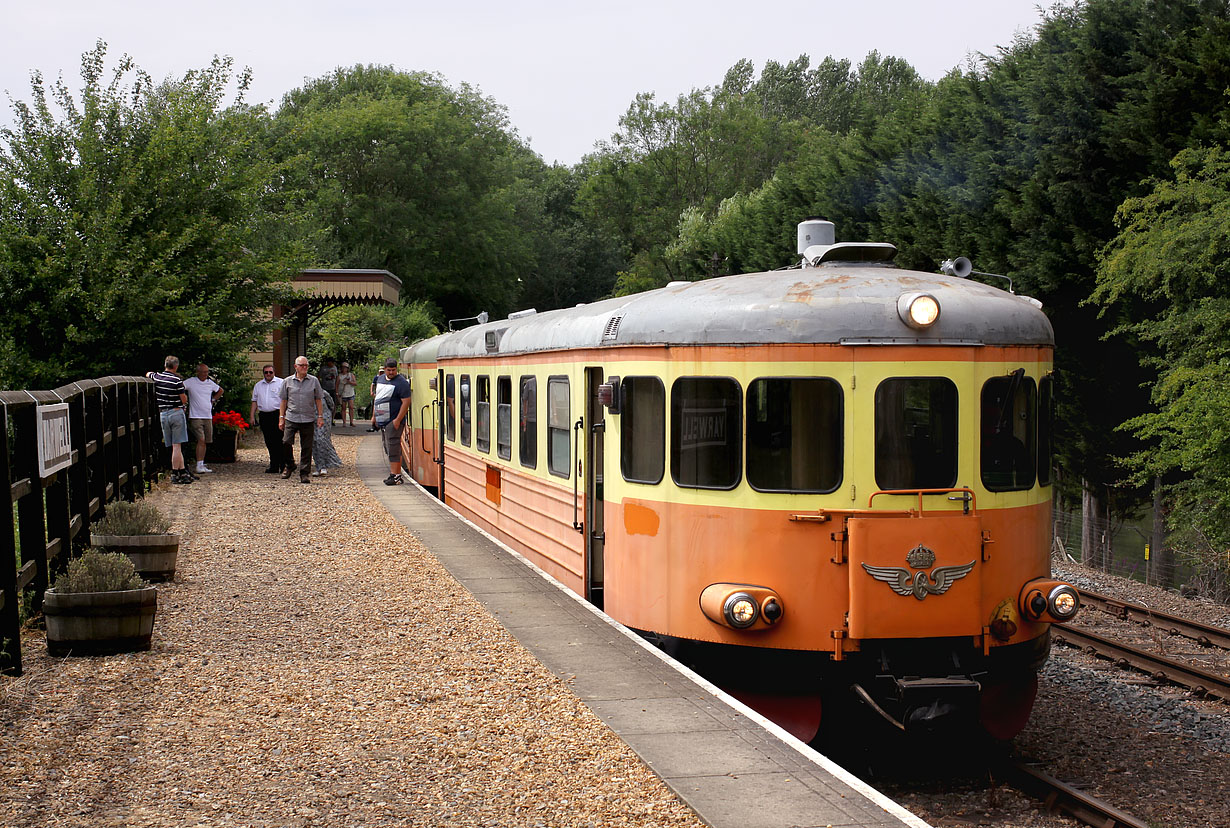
(815, 231)
(818, 244)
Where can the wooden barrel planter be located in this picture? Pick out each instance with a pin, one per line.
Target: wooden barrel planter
(99, 623)
(154, 556)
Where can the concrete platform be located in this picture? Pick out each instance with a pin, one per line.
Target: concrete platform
(732, 766)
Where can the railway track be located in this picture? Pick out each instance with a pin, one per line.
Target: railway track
(1062, 797)
(1203, 634)
(1159, 667)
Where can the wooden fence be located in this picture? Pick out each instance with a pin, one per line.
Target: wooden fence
(110, 443)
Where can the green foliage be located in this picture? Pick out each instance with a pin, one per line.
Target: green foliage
(671, 168)
(356, 333)
(136, 221)
(99, 571)
(1167, 277)
(399, 171)
(136, 518)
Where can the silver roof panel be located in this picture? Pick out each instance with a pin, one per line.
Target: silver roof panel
(833, 303)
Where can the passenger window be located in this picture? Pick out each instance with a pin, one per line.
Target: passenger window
(527, 435)
(642, 430)
(794, 435)
(482, 414)
(503, 417)
(706, 432)
(465, 409)
(916, 433)
(1046, 424)
(559, 451)
(1009, 411)
(450, 404)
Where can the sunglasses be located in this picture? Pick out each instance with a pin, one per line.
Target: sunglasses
(268, 372)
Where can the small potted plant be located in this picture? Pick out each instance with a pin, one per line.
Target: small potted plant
(228, 425)
(98, 606)
(141, 532)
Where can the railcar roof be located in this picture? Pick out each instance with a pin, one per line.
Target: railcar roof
(838, 303)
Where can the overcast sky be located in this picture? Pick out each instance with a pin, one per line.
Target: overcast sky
(565, 71)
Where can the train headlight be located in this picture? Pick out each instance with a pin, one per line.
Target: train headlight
(740, 610)
(918, 310)
(1063, 602)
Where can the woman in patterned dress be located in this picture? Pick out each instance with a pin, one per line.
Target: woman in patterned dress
(323, 452)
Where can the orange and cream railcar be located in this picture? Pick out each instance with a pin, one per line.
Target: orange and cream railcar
(843, 463)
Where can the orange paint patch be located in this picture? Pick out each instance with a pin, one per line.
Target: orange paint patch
(640, 520)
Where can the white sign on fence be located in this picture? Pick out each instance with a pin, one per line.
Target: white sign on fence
(55, 443)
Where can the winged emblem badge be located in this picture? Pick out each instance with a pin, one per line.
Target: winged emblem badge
(919, 584)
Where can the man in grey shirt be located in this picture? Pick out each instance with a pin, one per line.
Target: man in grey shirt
(300, 410)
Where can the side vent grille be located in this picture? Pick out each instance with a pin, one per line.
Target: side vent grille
(612, 329)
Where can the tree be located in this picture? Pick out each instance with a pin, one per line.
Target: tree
(134, 223)
(358, 333)
(1167, 275)
(403, 173)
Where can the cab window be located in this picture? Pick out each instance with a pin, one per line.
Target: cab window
(794, 434)
(527, 432)
(482, 414)
(1046, 424)
(916, 433)
(1009, 412)
(503, 417)
(450, 406)
(706, 432)
(465, 409)
(559, 450)
(642, 430)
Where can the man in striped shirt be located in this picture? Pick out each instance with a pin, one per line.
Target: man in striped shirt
(172, 399)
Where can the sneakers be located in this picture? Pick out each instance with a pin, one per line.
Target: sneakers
(393, 480)
(200, 469)
(180, 476)
(321, 472)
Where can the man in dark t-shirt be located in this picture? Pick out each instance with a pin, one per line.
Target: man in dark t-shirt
(172, 399)
(390, 405)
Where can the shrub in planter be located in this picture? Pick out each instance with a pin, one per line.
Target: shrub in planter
(142, 533)
(99, 606)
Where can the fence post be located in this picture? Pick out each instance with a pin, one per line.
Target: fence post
(10, 599)
(30, 507)
(96, 455)
(79, 472)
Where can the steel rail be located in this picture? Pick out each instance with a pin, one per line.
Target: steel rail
(1157, 666)
(1203, 634)
(1060, 796)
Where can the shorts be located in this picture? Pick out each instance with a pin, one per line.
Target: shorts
(392, 441)
(174, 426)
(201, 428)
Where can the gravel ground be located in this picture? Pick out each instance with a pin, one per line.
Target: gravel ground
(312, 665)
(1156, 752)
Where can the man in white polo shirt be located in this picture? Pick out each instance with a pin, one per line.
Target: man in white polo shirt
(266, 398)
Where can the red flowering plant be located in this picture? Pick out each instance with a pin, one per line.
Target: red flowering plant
(230, 421)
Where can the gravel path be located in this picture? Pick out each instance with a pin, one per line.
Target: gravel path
(312, 665)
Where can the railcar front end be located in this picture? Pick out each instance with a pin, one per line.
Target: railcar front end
(831, 483)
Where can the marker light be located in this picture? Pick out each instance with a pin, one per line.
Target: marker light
(740, 610)
(1063, 602)
(918, 310)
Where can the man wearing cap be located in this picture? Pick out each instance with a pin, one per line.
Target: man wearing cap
(300, 410)
(390, 404)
